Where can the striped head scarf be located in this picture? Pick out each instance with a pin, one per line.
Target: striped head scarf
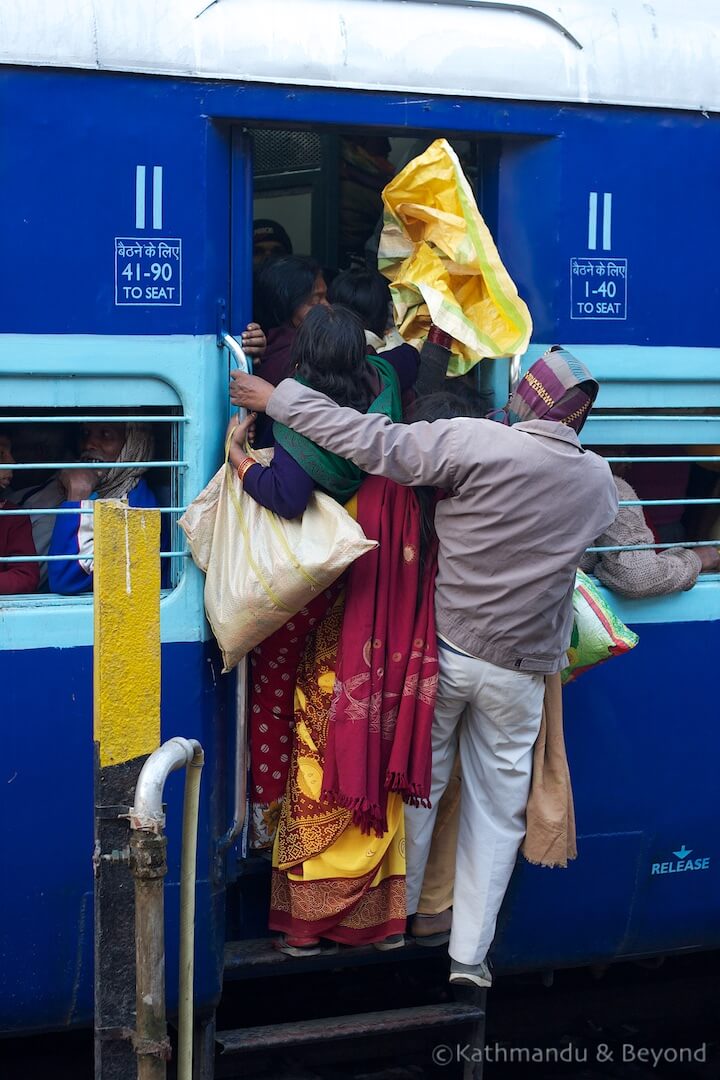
(138, 446)
(557, 387)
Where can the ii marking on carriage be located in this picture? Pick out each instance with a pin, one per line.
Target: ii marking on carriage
(598, 284)
(141, 196)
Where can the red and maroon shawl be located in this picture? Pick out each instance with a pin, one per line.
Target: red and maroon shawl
(379, 730)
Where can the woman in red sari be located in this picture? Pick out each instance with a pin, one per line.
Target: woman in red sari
(364, 691)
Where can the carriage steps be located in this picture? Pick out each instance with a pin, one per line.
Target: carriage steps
(345, 1035)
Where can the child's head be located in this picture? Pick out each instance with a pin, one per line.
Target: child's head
(6, 458)
(367, 293)
(330, 354)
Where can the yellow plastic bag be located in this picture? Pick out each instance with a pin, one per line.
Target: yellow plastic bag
(443, 265)
(261, 569)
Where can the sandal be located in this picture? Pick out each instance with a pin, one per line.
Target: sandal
(298, 946)
(394, 941)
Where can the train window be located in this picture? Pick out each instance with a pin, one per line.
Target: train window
(58, 462)
(324, 188)
(669, 468)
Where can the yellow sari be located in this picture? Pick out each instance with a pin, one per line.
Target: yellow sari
(329, 879)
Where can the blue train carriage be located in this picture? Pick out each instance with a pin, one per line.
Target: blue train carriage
(138, 143)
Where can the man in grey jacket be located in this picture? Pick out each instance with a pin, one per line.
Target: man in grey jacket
(525, 500)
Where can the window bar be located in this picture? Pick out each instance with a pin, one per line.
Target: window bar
(98, 466)
(668, 502)
(655, 460)
(654, 547)
(54, 419)
(693, 417)
(77, 558)
(40, 511)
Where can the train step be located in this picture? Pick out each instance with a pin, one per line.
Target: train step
(258, 958)
(268, 1037)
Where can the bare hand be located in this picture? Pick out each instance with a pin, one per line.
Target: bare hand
(79, 484)
(249, 392)
(709, 557)
(241, 431)
(253, 340)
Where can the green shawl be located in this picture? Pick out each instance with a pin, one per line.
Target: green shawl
(335, 475)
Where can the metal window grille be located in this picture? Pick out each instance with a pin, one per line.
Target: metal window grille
(277, 151)
(169, 468)
(692, 426)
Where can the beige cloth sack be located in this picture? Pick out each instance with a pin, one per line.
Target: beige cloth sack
(261, 569)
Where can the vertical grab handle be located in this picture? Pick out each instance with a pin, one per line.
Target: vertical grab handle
(238, 359)
(243, 362)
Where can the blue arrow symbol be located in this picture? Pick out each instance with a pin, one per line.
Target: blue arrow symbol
(683, 852)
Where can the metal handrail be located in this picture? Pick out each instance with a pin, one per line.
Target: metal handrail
(226, 841)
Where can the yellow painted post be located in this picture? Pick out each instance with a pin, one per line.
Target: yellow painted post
(127, 632)
(126, 729)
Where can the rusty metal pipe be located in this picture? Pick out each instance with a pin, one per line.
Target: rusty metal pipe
(148, 862)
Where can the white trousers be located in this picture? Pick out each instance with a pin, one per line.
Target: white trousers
(494, 714)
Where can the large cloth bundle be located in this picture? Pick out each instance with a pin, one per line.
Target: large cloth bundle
(443, 265)
(597, 633)
(262, 569)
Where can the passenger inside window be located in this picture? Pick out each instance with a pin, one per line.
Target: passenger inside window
(38, 442)
(15, 534)
(286, 289)
(100, 443)
(661, 480)
(650, 572)
(269, 240)
(702, 521)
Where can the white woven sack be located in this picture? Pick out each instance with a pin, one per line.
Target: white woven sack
(261, 569)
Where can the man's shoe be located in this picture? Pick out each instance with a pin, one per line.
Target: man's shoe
(432, 930)
(395, 941)
(477, 975)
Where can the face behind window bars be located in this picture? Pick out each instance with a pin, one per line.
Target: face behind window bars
(98, 469)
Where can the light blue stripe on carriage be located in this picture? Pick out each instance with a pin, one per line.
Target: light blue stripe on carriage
(96, 372)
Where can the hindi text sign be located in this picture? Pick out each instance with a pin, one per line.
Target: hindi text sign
(148, 271)
(598, 288)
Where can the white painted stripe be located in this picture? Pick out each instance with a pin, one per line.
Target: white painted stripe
(158, 197)
(592, 221)
(607, 220)
(139, 196)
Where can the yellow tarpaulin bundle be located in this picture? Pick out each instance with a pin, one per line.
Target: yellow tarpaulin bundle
(443, 265)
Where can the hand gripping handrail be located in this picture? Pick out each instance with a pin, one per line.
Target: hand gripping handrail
(242, 360)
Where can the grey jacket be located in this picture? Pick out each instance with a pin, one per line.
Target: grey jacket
(524, 503)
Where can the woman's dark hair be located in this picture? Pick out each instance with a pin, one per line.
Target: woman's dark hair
(282, 285)
(448, 404)
(367, 293)
(329, 350)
